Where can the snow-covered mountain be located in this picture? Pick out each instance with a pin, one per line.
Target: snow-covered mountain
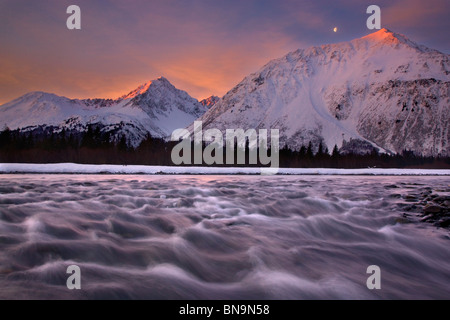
(156, 107)
(210, 101)
(381, 89)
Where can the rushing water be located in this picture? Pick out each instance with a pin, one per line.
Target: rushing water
(218, 237)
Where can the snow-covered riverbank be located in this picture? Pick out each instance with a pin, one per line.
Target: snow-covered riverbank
(55, 168)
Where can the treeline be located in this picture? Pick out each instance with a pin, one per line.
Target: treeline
(91, 147)
(306, 158)
(97, 147)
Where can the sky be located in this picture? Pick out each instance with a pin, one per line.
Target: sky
(204, 47)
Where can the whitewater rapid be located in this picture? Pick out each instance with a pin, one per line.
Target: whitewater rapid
(219, 237)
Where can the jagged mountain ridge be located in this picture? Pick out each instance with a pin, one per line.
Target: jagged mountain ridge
(383, 89)
(156, 108)
(210, 101)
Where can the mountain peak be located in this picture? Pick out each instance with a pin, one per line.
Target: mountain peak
(387, 37)
(380, 34)
(161, 81)
(145, 87)
(210, 101)
(161, 78)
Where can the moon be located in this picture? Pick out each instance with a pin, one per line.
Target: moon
(335, 29)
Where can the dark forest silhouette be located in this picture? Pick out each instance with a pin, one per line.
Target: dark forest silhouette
(97, 147)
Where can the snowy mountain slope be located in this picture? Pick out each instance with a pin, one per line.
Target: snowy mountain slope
(382, 88)
(156, 107)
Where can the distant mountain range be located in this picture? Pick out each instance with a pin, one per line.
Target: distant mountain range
(156, 108)
(382, 91)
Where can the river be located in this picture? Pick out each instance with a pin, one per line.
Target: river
(219, 237)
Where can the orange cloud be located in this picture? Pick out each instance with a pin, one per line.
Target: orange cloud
(202, 47)
(107, 61)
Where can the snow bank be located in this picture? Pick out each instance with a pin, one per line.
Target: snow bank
(134, 169)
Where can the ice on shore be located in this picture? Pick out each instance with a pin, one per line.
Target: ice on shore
(73, 168)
